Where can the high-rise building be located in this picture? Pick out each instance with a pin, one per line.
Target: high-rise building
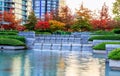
(21, 8)
(41, 7)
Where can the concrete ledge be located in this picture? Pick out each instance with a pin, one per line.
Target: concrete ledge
(99, 51)
(95, 42)
(114, 64)
(90, 42)
(110, 47)
(12, 47)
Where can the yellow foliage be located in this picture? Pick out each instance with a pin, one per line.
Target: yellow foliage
(56, 25)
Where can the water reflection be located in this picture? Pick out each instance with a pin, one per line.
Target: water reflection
(69, 64)
(53, 63)
(15, 64)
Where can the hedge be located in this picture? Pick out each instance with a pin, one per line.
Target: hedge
(13, 37)
(114, 54)
(101, 46)
(116, 31)
(11, 42)
(8, 33)
(105, 37)
(100, 32)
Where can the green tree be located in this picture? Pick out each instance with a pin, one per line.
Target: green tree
(116, 10)
(31, 22)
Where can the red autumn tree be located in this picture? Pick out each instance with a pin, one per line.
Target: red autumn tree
(42, 25)
(9, 17)
(104, 21)
(20, 28)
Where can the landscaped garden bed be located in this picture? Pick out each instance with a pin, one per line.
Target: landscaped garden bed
(95, 42)
(101, 48)
(114, 59)
(105, 37)
(6, 43)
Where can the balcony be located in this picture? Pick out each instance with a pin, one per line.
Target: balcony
(9, 1)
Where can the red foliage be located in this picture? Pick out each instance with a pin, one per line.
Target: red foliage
(48, 16)
(104, 22)
(9, 17)
(20, 28)
(42, 25)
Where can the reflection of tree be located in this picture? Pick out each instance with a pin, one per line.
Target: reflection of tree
(61, 63)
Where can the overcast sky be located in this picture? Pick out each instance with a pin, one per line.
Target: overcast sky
(91, 4)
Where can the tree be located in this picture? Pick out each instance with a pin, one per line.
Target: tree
(83, 17)
(104, 21)
(116, 10)
(42, 25)
(66, 17)
(9, 17)
(31, 22)
(56, 25)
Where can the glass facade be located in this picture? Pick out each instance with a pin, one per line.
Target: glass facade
(21, 8)
(41, 7)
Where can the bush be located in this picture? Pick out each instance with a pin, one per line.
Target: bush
(101, 32)
(105, 37)
(13, 37)
(8, 33)
(11, 42)
(42, 31)
(116, 31)
(114, 54)
(101, 46)
(48, 33)
(62, 32)
(56, 25)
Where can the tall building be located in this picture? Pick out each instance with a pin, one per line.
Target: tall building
(41, 7)
(21, 8)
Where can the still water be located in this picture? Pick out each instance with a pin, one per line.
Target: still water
(53, 63)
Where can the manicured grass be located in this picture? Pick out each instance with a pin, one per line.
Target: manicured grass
(13, 37)
(105, 37)
(114, 54)
(101, 46)
(11, 42)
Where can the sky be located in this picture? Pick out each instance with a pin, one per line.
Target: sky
(91, 4)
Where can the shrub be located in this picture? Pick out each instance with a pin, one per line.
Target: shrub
(48, 33)
(8, 33)
(116, 31)
(101, 46)
(56, 25)
(100, 32)
(62, 32)
(105, 37)
(13, 37)
(114, 54)
(42, 25)
(11, 42)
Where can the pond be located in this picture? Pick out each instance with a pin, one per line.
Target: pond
(53, 63)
